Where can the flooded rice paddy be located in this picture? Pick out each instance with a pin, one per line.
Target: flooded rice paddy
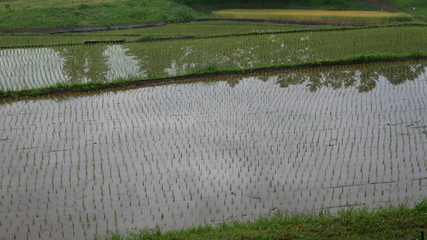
(236, 149)
(27, 68)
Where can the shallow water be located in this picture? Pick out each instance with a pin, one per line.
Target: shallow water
(182, 155)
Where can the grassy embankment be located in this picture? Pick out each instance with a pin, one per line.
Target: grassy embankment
(417, 8)
(93, 14)
(390, 223)
(67, 13)
(208, 5)
(317, 16)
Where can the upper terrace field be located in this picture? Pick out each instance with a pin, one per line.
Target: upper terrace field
(315, 16)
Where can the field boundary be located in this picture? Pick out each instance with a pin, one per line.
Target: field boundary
(208, 37)
(84, 29)
(390, 222)
(150, 24)
(95, 86)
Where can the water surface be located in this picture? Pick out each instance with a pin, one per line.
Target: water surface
(182, 155)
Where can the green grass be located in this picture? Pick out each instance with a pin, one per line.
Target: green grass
(388, 223)
(18, 4)
(416, 8)
(108, 13)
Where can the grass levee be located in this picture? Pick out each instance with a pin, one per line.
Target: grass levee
(398, 222)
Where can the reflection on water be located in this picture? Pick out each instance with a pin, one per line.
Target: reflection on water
(31, 68)
(121, 64)
(84, 64)
(362, 77)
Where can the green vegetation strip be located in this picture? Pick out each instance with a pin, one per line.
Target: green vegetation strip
(399, 222)
(99, 14)
(203, 75)
(206, 5)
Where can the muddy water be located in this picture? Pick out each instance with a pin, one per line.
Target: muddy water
(182, 155)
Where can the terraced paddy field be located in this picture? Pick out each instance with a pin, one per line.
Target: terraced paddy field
(194, 29)
(28, 68)
(175, 156)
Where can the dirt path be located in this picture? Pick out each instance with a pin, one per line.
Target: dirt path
(385, 5)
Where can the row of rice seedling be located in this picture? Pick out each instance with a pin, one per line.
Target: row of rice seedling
(317, 16)
(97, 62)
(31, 68)
(179, 155)
(209, 28)
(29, 40)
(198, 29)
